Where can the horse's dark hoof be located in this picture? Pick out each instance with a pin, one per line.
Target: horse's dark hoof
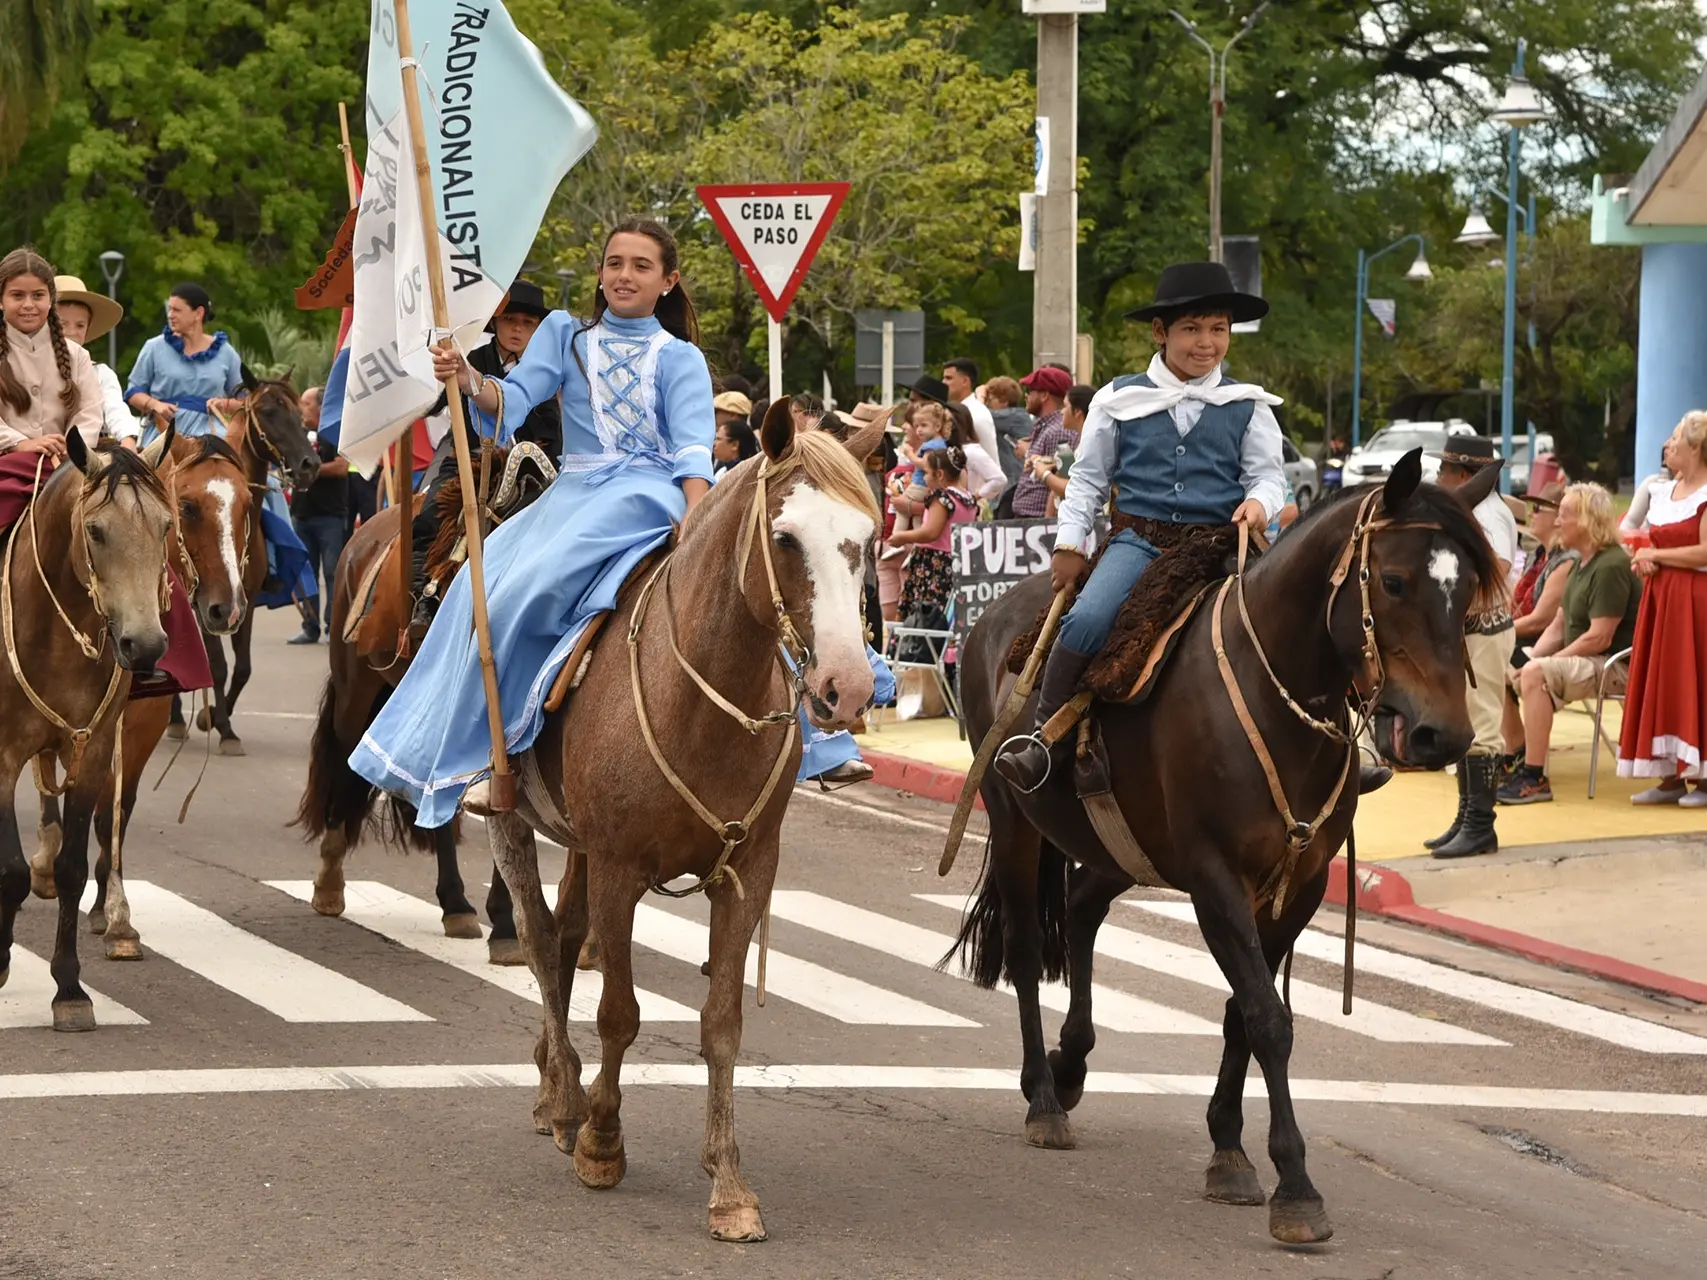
(177, 731)
(1051, 1132)
(1232, 1179)
(74, 1015)
(231, 747)
(1298, 1221)
(5, 973)
(97, 920)
(1068, 1090)
(506, 951)
(204, 720)
(464, 924)
(589, 957)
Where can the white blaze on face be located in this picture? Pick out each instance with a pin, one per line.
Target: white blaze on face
(832, 537)
(225, 497)
(1443, 568)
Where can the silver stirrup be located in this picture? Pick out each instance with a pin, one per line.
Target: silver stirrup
(1049, 768)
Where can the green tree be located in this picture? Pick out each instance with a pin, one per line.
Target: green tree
(42, 47)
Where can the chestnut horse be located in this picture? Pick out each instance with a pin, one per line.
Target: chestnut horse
(1358, 610)
(337, 800)
(266, 432)
(686, 715)
(213, 522)
(82, 587)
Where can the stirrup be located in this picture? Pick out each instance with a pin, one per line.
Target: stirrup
(1048, 768)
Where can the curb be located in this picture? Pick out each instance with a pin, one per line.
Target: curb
(1381, 892)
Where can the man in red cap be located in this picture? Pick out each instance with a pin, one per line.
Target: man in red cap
(1045, 399)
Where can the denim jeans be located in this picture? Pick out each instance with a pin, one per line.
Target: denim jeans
(1088, 622)
(324, 537)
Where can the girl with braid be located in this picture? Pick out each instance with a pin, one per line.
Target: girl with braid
(47, 384)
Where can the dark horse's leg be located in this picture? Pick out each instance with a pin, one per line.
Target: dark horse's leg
(460, 920)
(122, 940)
(72, 1008)
(1089, 893)
(1296, 1214)
(14, 874)
(502, 947)
(49, 832)
(226, 702)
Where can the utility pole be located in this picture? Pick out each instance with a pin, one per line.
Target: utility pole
(1055, 283)
(1217, 109)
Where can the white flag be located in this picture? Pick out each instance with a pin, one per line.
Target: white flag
(1386, 310)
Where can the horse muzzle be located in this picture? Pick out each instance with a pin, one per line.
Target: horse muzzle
(1419, 742)
(834, 700)
(139, 651)
(221, 617)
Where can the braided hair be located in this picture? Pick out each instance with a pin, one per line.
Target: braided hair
(25, 261)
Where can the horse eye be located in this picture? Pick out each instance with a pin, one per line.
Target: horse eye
(94, 534)
(1393, 585)
(787, 541)
(188, 510)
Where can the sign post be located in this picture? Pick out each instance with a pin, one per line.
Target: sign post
(774, 229)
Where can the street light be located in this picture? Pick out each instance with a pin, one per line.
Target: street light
(564, 277)
(1476, 229)
(1520, 106)
(1419, 270)
(1217, 108)
(112, 267)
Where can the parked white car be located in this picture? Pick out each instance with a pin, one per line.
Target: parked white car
(1302, 475)
(1374, 458)
(1520, 458)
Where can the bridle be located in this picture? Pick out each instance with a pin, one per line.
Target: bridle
(1366, 685)
(793, 657)
(190, 575)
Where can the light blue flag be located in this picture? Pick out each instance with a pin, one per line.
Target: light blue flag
(500, 136)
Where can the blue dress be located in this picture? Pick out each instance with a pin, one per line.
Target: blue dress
(637, 421)
(163, 371)
(823, 751)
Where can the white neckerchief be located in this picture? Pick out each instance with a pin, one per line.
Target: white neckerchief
(1138, 401)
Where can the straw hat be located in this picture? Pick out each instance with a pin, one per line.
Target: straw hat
(104, 313)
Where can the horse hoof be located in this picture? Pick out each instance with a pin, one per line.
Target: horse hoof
(1068, 1095)
(1298, 1221)
(739, 1224)
(204, 721)
(507, 951)
(329, 902)
(177, 731)
(1232, 1179)
(74, 1015)
(5, 973)
(42, 885)
(600, 1175)
(124, 948)
(464, 924)
(97, 920)
(231, 747)
(1051, 1132)
(589, 957)
(1069, 1098)
(564, 1136)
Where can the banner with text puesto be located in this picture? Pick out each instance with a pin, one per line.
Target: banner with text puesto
(500, 137)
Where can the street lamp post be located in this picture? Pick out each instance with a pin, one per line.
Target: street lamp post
(1217, 109)
(112, 267)
(565, 277)
(1419, 271)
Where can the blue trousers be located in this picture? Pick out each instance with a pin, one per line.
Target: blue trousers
(1088, 622)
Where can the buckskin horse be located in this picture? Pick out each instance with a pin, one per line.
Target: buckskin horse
(213, 519)
(686, 714)
(1358, 611)
(266, 432)
(82, 588)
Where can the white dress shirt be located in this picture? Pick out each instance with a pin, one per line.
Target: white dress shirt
(983, 425)
(984, 475)
(1261, 471)
(117, 419)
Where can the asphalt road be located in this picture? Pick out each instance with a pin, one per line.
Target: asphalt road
(293, 1095)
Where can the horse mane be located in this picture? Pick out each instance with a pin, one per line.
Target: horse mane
(826, 463)
(210, 447)
(120, 465)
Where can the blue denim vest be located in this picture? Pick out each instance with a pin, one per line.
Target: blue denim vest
(1190, 479)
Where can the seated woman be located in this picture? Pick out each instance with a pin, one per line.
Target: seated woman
(637, 433)
(1535, 602)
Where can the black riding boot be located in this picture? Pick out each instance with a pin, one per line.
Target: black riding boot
(1476, 835)
(1025, 764)
(1447, 836)
(1372, 777)
(425, 605)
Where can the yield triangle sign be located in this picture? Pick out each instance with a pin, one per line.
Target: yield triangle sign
(774, 229)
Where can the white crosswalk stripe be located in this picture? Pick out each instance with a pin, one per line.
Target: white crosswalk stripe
(27, 998)
(280, 981)
(1491, 993)
(1114, 1010)
(416, 923)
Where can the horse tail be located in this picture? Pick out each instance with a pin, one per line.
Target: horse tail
(982, 942)
(335, 795)
(397, 827)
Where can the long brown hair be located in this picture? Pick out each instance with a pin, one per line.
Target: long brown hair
(25, 261)
(675, 309)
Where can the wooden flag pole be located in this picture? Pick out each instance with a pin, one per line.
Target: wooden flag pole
(349, 153)
(503, 787)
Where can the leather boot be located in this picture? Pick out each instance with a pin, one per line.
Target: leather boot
(425, 605)
(1372, 777)
(1025, 764)
(1476, 835)
(1463, 805)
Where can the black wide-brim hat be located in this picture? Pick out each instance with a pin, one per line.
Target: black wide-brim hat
(524, 298)
(931, 389)
(1470, 452)
(1205, 286)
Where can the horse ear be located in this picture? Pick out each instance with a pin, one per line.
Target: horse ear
(777, 433)
(1479, 486)
(77, 451)
(250, 382)
(156, 452)
(1402, 482)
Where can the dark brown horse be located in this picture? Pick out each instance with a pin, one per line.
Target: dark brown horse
(213, 520)
(267, 432)
(1191, 788)
(82, 588)
(337, 800)
(773, 558)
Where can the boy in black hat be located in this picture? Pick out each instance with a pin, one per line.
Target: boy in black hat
(511, 329)
(1185, 446)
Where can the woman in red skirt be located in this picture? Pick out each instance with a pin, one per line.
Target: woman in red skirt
(1665, 709)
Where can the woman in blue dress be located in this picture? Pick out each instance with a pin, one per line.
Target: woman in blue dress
(183, 370)
(638, 426)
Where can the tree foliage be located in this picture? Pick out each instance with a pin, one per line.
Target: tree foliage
(42, 47)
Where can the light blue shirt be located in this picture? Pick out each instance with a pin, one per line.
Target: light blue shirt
(163, 371)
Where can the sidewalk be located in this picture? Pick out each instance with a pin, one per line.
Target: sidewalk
(1598, 885)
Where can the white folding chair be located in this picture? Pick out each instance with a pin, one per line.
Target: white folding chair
(1601, 697)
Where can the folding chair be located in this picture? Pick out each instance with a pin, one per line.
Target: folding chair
(1601, 698)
